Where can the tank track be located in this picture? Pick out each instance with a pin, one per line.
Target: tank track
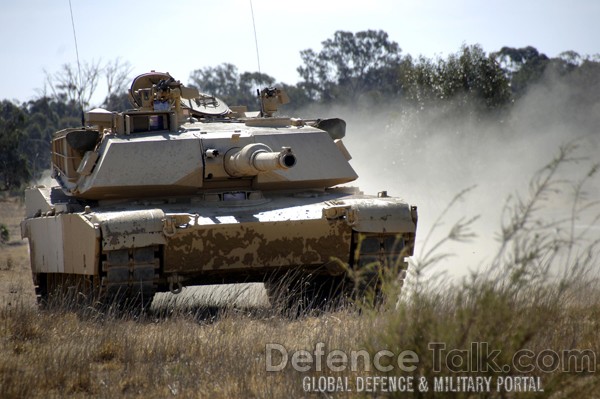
(375, 254)
(130, 276)
(375, 258)
(55, 290)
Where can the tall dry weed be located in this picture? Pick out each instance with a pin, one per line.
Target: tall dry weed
(539, 293)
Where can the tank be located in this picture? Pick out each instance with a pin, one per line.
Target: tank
(185, 190)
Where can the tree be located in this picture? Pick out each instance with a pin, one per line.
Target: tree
(116, 74)
(13, 164)
(523, 66)
(467, 81)
(298, 99)
(221, 81)
(470, 73)
(45, 115)
(350, 65)
(419, 81)
(117, 102)
(249, 83)
(72, 84)
(225, 82)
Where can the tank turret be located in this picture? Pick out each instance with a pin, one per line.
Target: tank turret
(183, 189)
(172, 143)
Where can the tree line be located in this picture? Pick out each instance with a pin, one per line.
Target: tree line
(364, 68)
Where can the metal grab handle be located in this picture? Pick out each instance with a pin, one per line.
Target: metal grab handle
(175, 290)
(175, 281)
(169, 228)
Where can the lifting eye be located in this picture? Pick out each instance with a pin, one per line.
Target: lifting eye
(211, 153)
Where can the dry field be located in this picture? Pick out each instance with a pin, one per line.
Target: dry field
(518, 302)
(15, 278)
(216, 348)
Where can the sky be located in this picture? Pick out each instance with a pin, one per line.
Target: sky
(183, 35)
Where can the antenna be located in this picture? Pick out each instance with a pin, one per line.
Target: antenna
(78, 64)
(255, 37)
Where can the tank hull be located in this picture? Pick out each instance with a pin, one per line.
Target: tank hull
(158, 245)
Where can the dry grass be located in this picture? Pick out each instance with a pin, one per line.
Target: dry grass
(189, 350)
(538, 293)
(15, 274)
(64, 354)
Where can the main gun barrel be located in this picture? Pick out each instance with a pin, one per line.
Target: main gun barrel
(257, 158)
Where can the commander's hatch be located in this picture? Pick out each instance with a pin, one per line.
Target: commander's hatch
(206, 105)
(158, 91)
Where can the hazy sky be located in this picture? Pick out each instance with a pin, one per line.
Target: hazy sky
(182, 35)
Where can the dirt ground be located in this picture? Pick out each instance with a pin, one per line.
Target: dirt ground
(15, 273)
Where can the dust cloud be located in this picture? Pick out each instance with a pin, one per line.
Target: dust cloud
(428, 156)
(44, 180)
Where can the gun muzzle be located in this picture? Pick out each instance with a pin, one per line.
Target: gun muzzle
(257, 158)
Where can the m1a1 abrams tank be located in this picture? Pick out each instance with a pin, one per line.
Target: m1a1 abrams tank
(184, 190)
